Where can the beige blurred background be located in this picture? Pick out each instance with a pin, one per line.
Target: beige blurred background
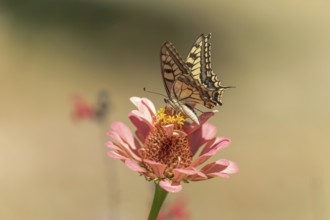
(276, 53)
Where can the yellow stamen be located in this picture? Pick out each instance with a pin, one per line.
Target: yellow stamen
(161, 114)
(165, 117)
(179, 119)
(171, 119)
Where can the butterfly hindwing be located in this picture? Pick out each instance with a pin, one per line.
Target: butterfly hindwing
(199, 63)
(194, 59)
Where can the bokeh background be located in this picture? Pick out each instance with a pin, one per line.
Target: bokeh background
(276, 53)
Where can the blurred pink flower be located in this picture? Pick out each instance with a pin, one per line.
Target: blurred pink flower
(165, 148)
(98, 111)
(176, 211)
(81, 109)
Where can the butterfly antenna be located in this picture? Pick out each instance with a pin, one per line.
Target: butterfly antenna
(144, 89)
(228, 87)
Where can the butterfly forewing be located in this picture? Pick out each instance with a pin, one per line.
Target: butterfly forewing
(172, 66)
(178, 81)
(182, 89)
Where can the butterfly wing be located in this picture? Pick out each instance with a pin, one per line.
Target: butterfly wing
(172, 67)
(177, 78)
(199, 63)
(195, 59)
(182, 89)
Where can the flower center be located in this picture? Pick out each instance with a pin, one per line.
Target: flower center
(174, 151)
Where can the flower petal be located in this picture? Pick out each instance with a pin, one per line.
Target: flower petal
(199, 176)
(199, 137)
(157, 168)
(125, 133)
(111, 145)
(118, 151)
(150, 105)
(144, 110)
(143, 127)
(116, 137)
(143, 114)
(206, 115)
(170, 186)
(224, 142)
(178, 133)
(124, 146)
(189, 128)
(222, 168)
(168, 130)
(134, 166)
(136, 101)
(115, 155)
(219, 145)
(208, 131)
(181, 174)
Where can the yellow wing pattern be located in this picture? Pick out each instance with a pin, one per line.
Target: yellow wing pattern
(199, 63)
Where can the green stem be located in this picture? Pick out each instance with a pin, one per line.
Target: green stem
(159, 198)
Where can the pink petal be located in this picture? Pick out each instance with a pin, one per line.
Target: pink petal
(143, 110)
(136, 101)
(206, 115)
(198, 177)
(181, 174)
(222, 168)
(125, 133)
(116, 137)
(115, 155)
(170, 186)
(168, 130)
(219, 145)
(143, 113)
(205, 133)
(134, 166)
(118, 151)
(123, 146)
(178, 133)
(111, 145)
(143, 128)
(208, 131)
(189, 128)
(213, 144)
(150, 105)
(232, 167)
(157, 168)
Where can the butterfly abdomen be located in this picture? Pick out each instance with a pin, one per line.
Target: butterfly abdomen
(185, 109)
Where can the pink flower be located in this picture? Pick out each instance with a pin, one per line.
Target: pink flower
(167, 149)
(177, 210)
(81, 108)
